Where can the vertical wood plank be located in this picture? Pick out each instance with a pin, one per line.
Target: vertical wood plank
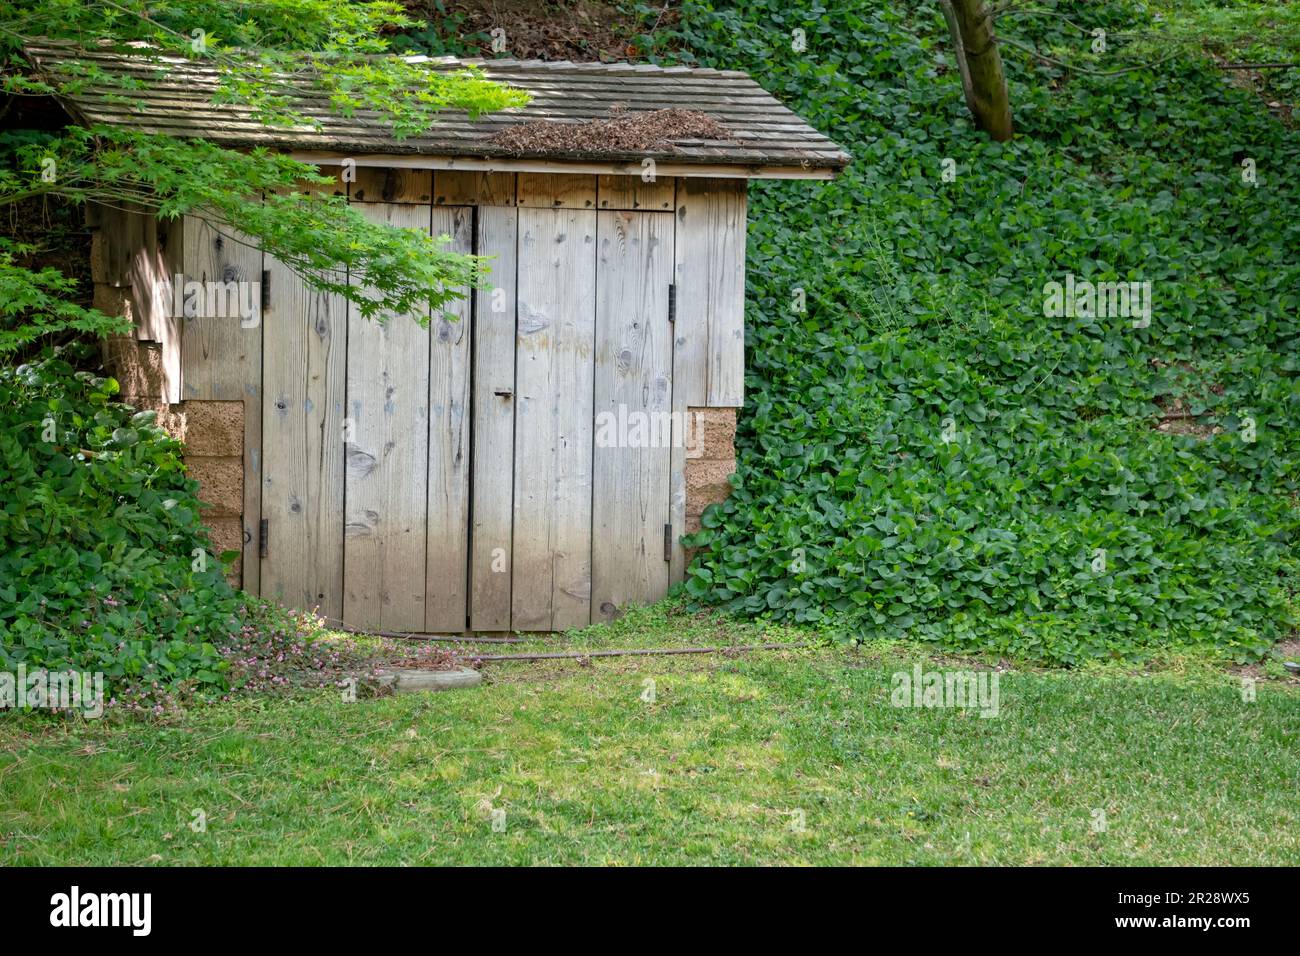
(131, 249)
(446, 568)
(491, 562)
(727, 318)
(633, 424)
(682, 436)
(553, 427)
(709, 348)
(690, 369)
(221, 357)
(304, 375)
(119, 234)
(387, 458)
(150, 285)
(166, 324)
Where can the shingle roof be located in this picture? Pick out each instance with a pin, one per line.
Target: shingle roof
(765, 136)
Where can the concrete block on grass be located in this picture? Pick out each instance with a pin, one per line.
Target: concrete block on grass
(414, 681)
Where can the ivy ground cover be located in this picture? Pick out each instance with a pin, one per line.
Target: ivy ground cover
(939, 444)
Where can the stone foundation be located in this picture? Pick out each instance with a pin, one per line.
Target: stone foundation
(214, 457)
(707, 472)
(213, 433)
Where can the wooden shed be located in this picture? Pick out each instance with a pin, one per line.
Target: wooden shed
(531, 466)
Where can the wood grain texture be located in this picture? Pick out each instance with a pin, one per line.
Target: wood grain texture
(709, 346)
(632, 192)
(633, 402)
(339, 187)
(304, 376)
(491, 560)
(682, 167)
(468, 188)
(221, 356)
(391, 184)
(158, 321)
(387, 460)
(129, 253)
(557, 191)
(677, 493)
(446, 565)
(150, 285)
(553, 427)
(727, 317)
(121, 233)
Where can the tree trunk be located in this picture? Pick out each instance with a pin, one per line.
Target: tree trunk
(980, 65)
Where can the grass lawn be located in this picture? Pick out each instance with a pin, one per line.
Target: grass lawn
(714, 771)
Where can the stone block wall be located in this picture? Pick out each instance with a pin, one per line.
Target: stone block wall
(707, 472)
(213, 433)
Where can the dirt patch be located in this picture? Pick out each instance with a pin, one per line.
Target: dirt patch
(426, 657)
(1289, 649)
(1176, 416)
(1179, 422)
(1259, 82)
(623, 132)
(579, 30)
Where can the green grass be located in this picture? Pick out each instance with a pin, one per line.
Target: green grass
(711, 772)
(1241, 31)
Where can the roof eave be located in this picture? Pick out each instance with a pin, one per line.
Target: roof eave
(553, 164)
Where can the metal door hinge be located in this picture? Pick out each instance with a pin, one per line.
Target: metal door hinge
(266, 288)
(672, 302)
(263, 537)
(668, 542)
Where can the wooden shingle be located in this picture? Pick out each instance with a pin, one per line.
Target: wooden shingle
(175, 96)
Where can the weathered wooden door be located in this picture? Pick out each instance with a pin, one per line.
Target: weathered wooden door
(511, 469)
(305, 340)
(589, 444)
(554, 377)
(365, 483)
